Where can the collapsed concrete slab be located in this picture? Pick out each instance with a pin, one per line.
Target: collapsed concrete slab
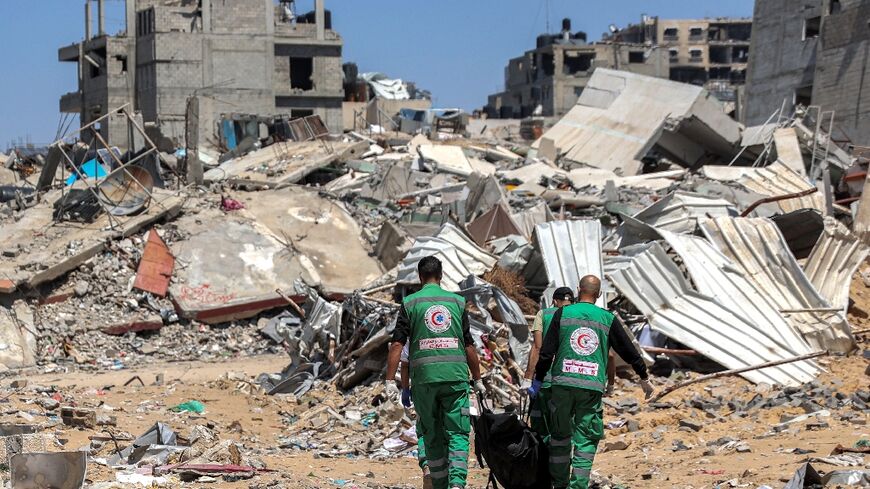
(282, 163)
(17, 336)
(321, 230)
(36, 249)
(230, 267)
(622, 116)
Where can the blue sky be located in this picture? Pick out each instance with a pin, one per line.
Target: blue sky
(455, 48)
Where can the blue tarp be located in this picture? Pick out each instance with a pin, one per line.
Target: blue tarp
(91, 169)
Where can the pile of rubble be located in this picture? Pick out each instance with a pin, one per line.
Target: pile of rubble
(724, 247)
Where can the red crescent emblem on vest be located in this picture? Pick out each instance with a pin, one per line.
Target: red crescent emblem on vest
(584, 341)
(438, 318)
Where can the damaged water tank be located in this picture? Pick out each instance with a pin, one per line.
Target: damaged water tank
(565, 36)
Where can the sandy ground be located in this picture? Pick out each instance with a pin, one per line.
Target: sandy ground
(648, 462)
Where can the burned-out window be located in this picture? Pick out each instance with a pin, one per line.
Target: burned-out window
(635, 57)
(835, 7)
(723, 73)
(577, 62)
(696, 33)
(812, 28)
(740, 54)
(122, 63)
(720, 54)
(549, 64)
(696, 55)
(671, 34)
(674, 55)
(299, 113)
(804, 96)
(301, 71)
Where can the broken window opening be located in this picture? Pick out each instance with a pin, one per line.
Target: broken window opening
(696, 33)
(835, 7)
(301, 71)
(671, 34)
(577, 62)
(123, 61)
(720, 73)
(674, 55)
(720, 54)
(696, 55)
(548, 62)
(812, 28)
(740, 54)
(635, 57)
(804, 96)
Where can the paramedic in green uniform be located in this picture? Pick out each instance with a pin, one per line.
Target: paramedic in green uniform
(441, 354)
(540, 412)
(575, 355)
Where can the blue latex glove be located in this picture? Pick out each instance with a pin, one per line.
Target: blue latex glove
(406, 398)
(535, 388)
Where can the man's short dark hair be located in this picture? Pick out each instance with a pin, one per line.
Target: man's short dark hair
(429, 268)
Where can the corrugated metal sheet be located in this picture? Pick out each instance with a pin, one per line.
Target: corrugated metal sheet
(679, 211)
(833, 262)
(620, 116)
(570, 251)
(773, 180)
(757, 248)
(720, 331)
(459, 256)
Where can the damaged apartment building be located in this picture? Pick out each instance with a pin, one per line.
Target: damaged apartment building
(239, 56)
(812, 53)
(548, 79)
(712, 53)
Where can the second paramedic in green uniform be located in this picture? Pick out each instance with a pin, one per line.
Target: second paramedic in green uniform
(441, 354)
(575, 355)
(540, 411)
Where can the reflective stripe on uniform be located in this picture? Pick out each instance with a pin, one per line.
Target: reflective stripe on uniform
(441, 474)
(465, 412)
(585, 323)
(438, 359)
(461, 464)
(584, 473)
(578, 382)
(584, 455)
(418, 300)
(437, 463)
(556, 442)
(560, 459)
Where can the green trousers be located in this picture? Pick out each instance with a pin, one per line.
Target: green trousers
(444, 422)
(575, 415)
(421, 449)
(539, 413)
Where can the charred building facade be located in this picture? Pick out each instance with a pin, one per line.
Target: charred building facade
(248, 56)
(549, 79)
(812, 53)
(712, 53)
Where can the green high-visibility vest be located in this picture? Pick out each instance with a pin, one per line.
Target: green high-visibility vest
(546, 319)
(437, 349)
(581, 361)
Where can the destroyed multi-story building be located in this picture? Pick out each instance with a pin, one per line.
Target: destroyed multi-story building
(248, 56)
(710, 52)
(812, 53)
(548, 80)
